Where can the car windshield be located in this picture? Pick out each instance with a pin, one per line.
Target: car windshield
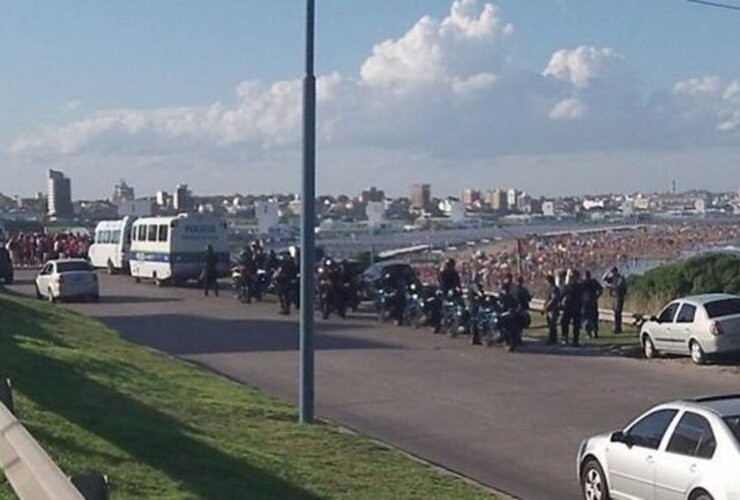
(734, 424)
(724, 307)
(67, 267)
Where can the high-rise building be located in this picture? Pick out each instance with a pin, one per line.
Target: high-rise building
(512, 196)
(497, 200)
(162, 199)
(123, 192)
(181, 198)
(421, 196)
(59, 193)
(470, 196)
(372, 195)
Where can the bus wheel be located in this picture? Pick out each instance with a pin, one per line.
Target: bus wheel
(137, 279)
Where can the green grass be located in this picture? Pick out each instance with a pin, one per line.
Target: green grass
(162, 428)
(627, 343)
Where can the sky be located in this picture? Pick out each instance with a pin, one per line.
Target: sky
(551, 96)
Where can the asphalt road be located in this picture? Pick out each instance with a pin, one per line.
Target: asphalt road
(511, 421)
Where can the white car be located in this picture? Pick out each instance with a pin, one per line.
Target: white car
(697, 326)
(686, 450)
(67, 279)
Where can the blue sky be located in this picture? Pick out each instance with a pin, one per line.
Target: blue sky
(65, 60)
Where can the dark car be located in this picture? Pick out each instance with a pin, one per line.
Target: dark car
(398, 272)
(6, 266)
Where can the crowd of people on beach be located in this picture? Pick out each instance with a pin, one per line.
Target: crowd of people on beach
(535, 257)
(33, 249)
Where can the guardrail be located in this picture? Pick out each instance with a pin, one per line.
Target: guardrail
(32, 474)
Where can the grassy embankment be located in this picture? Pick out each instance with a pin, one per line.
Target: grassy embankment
(162, 428)
(651, 291)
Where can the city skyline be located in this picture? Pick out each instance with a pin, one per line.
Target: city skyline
(448, 93)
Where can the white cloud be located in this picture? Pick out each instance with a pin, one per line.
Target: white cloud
(568, 109)
(466, 42)
(584, 65)
(443, 90)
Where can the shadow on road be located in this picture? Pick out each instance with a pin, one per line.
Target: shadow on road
(185, 334)
(135, 299)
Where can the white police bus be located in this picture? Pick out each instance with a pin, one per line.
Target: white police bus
(172, 249)
(112, 245)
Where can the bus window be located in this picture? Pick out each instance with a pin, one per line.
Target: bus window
(163, 233)
(151, 233)
(142, 233)
(106, 237)
(115, 236)
(98, 236)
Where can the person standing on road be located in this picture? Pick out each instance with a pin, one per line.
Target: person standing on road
(571, 303)
(283, 278)
(449, 278)
(209, 273)
(552, 309)
(524, 296)
(592, 290)
(617, 285)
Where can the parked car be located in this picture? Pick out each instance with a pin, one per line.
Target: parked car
(67, 279)
(697, 326)
(6, 267)
(395, 271)
(687, 450)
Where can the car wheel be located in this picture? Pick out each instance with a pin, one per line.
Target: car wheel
(137, 279)
(9, 280)
(593, 482)
(648, 347)
(95, 297)
(698, 355)
(701, 495)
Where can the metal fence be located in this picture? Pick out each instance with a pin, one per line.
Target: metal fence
(32, 474)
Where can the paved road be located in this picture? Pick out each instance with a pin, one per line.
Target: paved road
(512, 421)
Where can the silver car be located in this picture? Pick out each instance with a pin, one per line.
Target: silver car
(685, 450)
(696, 326)
(67, 279)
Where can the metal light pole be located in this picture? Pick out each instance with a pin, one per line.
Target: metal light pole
(308, 244)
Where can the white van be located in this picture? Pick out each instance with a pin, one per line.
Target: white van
(112, 245)
(171, 249)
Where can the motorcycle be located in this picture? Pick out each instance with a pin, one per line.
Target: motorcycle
(422, 307)
(240, 283)
(390, 304)
(485, 320)
(261, 283)
(327, 298)
(455, 317)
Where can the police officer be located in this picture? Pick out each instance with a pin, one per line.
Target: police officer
(592, 290)
(283, 278)
(617, 285)
(476, 294)
(209, 274)
(552, 309)
(449, 278)
(524, 296)
(571, 298)
(513, 325)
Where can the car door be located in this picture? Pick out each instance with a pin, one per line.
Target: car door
(687, 455)
(663, 332)
(42, 280)
(632, 465)
(682, 328)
